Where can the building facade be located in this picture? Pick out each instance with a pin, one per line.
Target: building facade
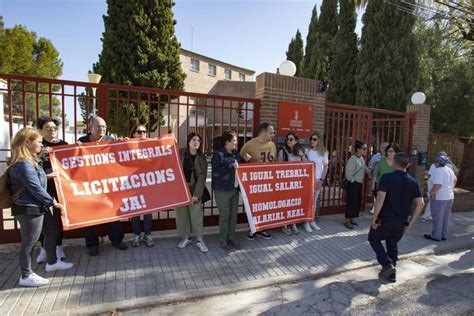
(203, 73)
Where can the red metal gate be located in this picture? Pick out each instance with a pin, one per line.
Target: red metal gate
(23, 99)
(346, 123)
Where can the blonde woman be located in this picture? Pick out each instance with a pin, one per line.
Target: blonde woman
(29, 183)
(318, 154)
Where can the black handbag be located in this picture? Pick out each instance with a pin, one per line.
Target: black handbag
(344, 184)
(206, 196)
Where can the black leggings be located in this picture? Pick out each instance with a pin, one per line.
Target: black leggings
(54, 226)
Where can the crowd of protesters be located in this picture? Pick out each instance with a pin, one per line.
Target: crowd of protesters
(39, 213)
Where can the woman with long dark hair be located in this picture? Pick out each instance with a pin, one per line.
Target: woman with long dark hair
(189, 219)
(355, 171)
(225, 187)
(291, 151)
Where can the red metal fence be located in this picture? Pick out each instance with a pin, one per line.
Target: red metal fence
(346, 123)
(24, 99)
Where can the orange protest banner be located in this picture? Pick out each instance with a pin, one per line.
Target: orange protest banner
(107, 181)
(277, 194)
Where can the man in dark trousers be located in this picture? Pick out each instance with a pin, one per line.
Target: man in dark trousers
(98, 128)
(395, 196)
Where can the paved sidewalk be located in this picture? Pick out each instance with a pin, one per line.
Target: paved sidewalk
(140, 276)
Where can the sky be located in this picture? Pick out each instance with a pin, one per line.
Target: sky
(253, 34)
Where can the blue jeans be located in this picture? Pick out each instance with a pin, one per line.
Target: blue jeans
(147, 220)
(30, 230)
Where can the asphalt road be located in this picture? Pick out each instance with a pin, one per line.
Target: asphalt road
(430, 285)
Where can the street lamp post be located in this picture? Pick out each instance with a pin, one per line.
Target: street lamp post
(94, 78)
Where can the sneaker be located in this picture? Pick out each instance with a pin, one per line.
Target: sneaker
(233, 244)
(387, 272)
(121, 246)
(183, 243)
(148, 241)
(33, 280)
(287, 231)
(264, 235)
(136, 241)
(354, 223)
(202, 246)
(348, 225)
(42, 257)
(59, 265)
(250, 236)
(372, 210)
(314, 225)
(307, 227)
(223, 244)
(294, 229)
(60, 252)
(93, 250)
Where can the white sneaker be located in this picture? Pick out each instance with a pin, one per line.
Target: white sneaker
(59, 265)
(60, 252)
(294, 229)
(33, 280)
(186, 241)
(136, 241)
(42, 257)
(307, 227)
(202, 246)
(372, 210)
(286, 231)
(314, 225)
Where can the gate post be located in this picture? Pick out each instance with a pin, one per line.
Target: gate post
(273, 88)
(102, 101)
(419, 139)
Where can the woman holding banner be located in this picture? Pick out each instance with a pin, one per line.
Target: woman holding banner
(225, 187)
(31, 203)
(355, 171)
(48, 128)
(317, 154)
(139, 131)
(291, 151)
(189, 219)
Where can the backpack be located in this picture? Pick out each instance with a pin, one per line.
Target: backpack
(6, 197)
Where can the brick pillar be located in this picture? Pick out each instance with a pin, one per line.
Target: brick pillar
(272, 88)
(420, 139)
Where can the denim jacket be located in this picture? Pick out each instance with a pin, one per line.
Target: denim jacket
(24, 174)
(223, 171)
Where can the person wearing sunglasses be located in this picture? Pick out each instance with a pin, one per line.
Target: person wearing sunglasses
(354, 172)
(140, 131)
(384, 166)
(53, 226)
(291, 151)
(317, 154)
